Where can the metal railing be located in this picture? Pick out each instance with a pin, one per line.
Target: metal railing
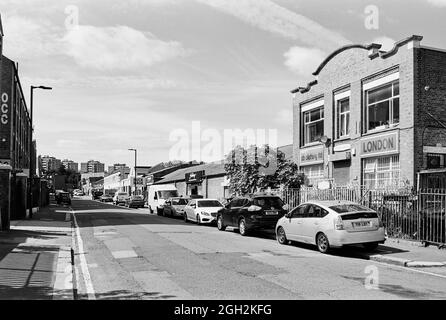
(406, 213)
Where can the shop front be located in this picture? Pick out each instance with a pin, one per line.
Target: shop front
(312, 164)
(380, 160)
(194, 183)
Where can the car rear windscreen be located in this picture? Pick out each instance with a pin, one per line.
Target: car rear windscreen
(344, 208)
(360, 215)
(209, 204)
(179, 202)
(268, 203)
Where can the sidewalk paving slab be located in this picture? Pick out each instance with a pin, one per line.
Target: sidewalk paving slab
(35, 257)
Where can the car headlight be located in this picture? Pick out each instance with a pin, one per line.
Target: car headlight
(205, 214)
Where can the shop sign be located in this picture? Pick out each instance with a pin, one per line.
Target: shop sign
(311, 155)
(195, 177)
(382, 144)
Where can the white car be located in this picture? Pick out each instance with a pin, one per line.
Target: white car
(120, 198)
(331, 224)
(202, 210)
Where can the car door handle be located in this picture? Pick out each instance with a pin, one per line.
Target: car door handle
(316, 223)
(299, 222)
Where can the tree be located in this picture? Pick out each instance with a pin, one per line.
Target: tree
(259, 168)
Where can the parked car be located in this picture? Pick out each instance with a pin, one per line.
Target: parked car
(174, 207)
(106, 198)
(202, 210)
(256, 212)
(329, 224)
(119, 198)
(134, 202)
(78, 193)
(96, 195)
(63, 197)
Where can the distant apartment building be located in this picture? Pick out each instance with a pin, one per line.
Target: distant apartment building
(70, 165)
(118, 167)
(92, 166)
(48, 164)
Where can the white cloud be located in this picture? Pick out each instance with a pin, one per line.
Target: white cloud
(438, 3)
(118, 48)
(269, 16)
(28, 39)
(386, 42)
(304, 61)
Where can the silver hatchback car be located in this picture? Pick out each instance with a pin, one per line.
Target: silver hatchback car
(329, 224)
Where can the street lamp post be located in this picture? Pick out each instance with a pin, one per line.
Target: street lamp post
(31, 150)
(135, 168)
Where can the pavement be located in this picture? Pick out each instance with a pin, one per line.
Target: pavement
(408, 254)
(35, 257)
(131, 254)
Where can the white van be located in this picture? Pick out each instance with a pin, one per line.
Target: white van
(157, 196)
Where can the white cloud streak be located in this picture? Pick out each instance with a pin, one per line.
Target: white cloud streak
(269, 16)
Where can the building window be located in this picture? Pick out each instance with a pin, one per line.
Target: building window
(381, 172)
(343, 118)
(436, 161)
(382, 106)
(313, 125)
(314, 173)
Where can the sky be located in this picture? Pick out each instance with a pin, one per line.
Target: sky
(158, 75)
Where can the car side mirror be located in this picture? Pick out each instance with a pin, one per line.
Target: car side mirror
(288, 215)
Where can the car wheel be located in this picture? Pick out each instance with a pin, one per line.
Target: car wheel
(322, 243)
(198, 219)
(281, 236)
(242, 227)
(371, 246)
(185, 217)
(159, 212)
(220, 225)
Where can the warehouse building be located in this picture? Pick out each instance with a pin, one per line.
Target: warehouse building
(375, 118)
(15, 128)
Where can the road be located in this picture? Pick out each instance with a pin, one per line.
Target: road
(130, 254)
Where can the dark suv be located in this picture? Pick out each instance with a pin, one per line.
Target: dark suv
(251, 213)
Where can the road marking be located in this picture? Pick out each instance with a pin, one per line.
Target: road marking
(83, 260)
(123, 254)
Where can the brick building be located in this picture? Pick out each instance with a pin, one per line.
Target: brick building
(375, 118)
(15, 129)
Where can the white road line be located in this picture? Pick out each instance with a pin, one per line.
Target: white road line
(83, 261)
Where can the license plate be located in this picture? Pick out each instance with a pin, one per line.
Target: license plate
(361, 224)
(271, 213)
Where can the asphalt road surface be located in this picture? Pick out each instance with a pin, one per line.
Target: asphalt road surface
(131, 254)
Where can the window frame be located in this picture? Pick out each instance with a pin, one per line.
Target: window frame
(308, 108)
(366, 105)
(342, 114)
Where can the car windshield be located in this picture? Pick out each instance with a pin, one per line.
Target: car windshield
(268, 203)
(179, 202)
(209, 204)
(344, 208)
(137, 198)
(122, 194)
(167, 194)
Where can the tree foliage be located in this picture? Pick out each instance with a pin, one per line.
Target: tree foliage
(259, 168)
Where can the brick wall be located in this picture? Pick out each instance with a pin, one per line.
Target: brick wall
(430, 71)
(351, 68)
